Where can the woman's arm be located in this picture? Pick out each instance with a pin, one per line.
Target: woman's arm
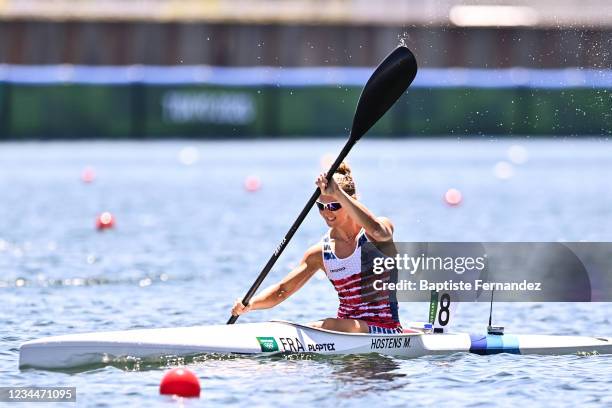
(275, 294)
(378, 228)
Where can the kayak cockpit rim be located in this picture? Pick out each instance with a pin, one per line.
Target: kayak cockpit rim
(307, 327)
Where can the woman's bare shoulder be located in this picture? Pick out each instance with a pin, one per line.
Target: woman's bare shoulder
(314, 255)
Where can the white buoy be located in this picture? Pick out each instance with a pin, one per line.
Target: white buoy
(503, 170)
(518, 154)
(189, 155)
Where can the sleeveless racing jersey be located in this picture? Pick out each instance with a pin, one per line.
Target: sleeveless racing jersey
(356, 293)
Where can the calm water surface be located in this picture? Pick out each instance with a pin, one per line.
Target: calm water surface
(190, 239)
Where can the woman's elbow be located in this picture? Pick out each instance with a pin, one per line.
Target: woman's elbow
(282, 293)
(382, 233)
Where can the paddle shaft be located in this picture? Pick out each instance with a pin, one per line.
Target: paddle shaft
(283, 244)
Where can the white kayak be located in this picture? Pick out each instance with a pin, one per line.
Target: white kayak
(284, 337)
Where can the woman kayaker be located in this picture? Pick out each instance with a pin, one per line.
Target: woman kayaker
(362, 309)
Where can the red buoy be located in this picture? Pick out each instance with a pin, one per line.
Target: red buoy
(181, 382)
(252, 184)
(105, 221)
(88, 175)
(453, 197)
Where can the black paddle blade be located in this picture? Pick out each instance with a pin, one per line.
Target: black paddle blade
(390, 80)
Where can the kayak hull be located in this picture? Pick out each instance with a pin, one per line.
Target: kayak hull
(283, 337)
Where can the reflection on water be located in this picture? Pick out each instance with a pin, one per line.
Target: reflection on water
(365, 369)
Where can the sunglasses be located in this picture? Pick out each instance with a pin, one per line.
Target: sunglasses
(333, 206)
